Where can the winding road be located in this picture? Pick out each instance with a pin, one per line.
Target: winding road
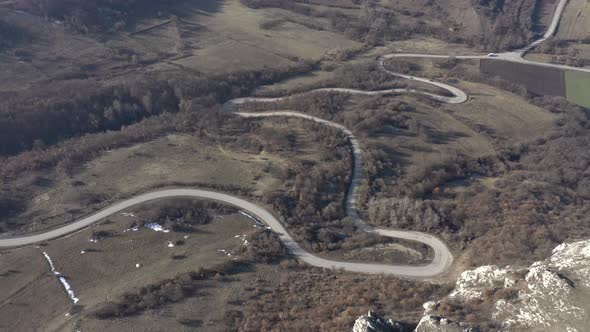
(442, 256)
(511, 56)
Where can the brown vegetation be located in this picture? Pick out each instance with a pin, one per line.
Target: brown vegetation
(164, 292)
(95, 15)
(181, 214)
(31, 122)
(292, 297)
(11, 36)
(537, 201)
(372, 24)
(298, 302)
(502, 25)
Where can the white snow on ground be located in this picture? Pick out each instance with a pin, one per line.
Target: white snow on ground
(243, 238)
(69, 289)
(156, 227)
(133, 229)
(170, 244)
(128, 214)
(62, 279)
(50, 263)
(258, 222)
(224, 252)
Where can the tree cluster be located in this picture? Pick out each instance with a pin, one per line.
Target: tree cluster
(95, 15)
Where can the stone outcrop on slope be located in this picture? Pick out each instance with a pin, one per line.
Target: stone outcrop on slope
(431, 323)
(553, 294)
(373, 322)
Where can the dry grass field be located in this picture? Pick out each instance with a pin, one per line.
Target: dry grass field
(173, 160)
(570, 44)
(575, 22)
(33, 299)
(290, 166)
(203, 39)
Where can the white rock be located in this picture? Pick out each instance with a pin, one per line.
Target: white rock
(431, 323)
(550, 294)
(372, 322)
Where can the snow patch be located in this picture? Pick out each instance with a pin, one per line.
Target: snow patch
(62, 279)
(258, 222)
(69, 289)
(50, 263)
(132, 229)
(243, 238)
(156, 227)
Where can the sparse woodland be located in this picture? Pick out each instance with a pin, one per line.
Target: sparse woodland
(95, 15)
(311, 203)
(511, 24)
(539, 196)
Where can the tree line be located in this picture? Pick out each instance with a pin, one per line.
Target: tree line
(30, 122)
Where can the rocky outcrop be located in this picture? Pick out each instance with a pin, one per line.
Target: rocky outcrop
(431, 323)
(553, 294)
(373, 322)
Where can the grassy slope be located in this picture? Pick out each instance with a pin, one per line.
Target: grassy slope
(577, 87)
(575, 22)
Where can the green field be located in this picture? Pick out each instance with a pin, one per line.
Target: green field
(578, 87)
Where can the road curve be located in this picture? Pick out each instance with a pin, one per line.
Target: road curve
(510, 56)
(442, 256)
(261, 213)
(458, 95)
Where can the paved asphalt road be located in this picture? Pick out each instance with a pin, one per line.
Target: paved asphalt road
(511, 56)
(442, 256)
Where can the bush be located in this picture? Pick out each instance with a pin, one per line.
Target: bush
(264, 246)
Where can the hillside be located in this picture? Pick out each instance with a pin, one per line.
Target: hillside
(385, 166)
(519, 299)
(493, 25)
(575, 23)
